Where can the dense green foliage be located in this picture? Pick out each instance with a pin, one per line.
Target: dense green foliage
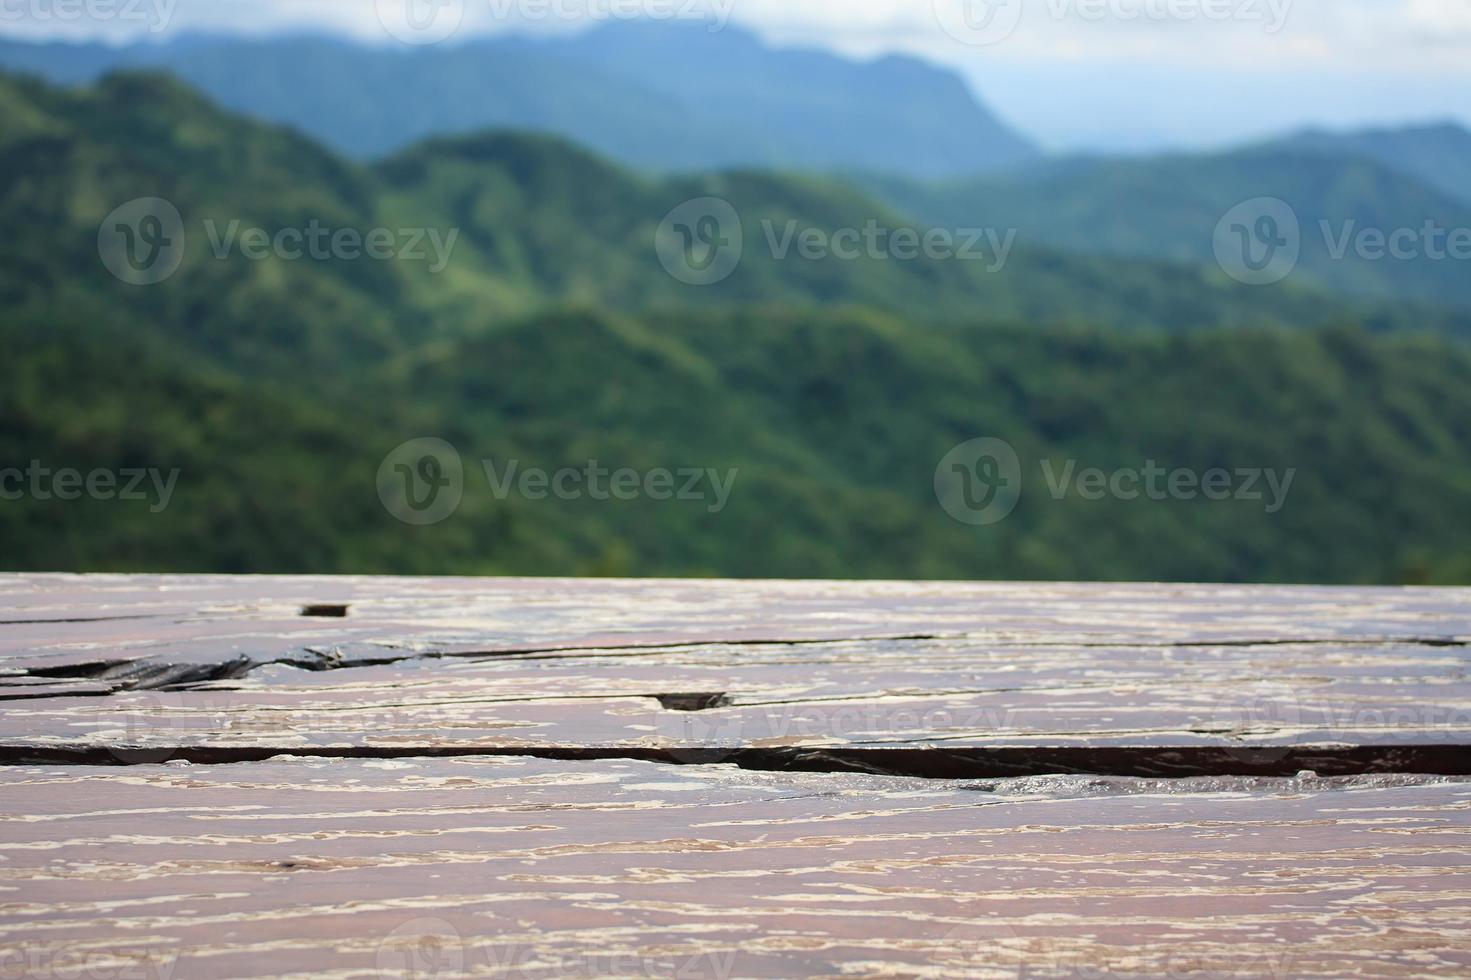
(555, 337)
(1169, 207)
(834, 424)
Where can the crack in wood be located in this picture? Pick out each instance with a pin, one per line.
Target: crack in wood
(691, 702)
(1168, 762)
(326, 610)
(143, 674)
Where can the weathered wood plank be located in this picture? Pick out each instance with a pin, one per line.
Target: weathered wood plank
(87, 625)
(1249, 700)
(504, 867)
(580, 859)
(971, 680)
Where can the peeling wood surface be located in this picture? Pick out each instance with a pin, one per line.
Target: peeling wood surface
(918, 679)
(58, 623)
(213, 776)
(956, 695)
(503, 867)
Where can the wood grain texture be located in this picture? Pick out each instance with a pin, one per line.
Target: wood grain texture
(504, 867)
(1250, 702)
(86, 625)
(931, 679)
(243, 777)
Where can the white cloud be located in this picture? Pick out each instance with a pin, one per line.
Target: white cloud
(1383, 33)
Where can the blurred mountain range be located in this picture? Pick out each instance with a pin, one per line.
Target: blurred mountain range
(671, 97)
(1167, 207)
(661, 96)
(551, 334)
(1440, 155)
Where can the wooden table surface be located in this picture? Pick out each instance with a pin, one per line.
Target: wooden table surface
(219, 777)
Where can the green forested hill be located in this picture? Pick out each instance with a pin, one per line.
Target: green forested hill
(541, 218)
(833, 423)
(554, 337)
(1439, 155)
(537, 220)
(1168, 208)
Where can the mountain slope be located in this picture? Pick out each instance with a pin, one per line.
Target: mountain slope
(537, 212)
(656, 96)
(1439, 155)
(532, 220)
(69, 158)
(554, 337)
(833, 425)
(1169, 208)
(895, 114)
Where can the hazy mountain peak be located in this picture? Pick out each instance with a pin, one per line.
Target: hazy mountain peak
(663, 96)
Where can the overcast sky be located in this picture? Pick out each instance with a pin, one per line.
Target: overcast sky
(1103, 74)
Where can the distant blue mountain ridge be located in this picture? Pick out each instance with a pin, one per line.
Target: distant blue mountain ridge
(670, 97)
(657, 96)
